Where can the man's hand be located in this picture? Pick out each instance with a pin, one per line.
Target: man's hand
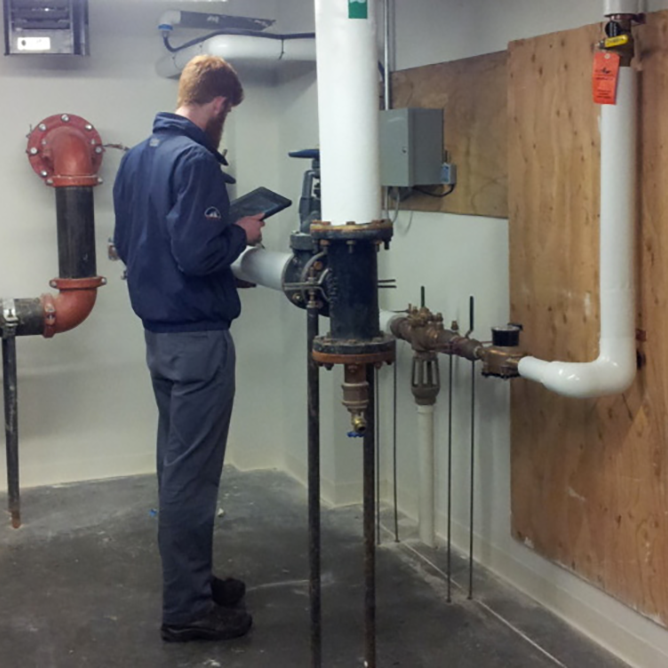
(252, 225)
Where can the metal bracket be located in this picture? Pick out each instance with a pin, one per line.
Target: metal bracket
(10, 320)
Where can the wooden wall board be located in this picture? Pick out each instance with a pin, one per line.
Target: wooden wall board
(473, 95)
(588, 477)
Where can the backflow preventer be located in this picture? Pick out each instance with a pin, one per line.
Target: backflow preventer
(355, 339)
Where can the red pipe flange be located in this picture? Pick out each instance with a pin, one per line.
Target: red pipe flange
(66, 150)
(71, 306)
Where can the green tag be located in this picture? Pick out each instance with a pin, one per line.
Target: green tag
(358, 9)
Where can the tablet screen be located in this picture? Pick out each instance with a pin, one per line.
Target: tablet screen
(260, 200)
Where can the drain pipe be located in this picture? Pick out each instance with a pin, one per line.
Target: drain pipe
(66, 152)
(615, 368)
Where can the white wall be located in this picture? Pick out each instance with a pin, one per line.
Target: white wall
(454, 257)
(86, 408)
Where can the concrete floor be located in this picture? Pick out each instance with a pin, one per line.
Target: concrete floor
(80, 587)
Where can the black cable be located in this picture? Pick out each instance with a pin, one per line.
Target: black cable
(246, 33)
(440, 195)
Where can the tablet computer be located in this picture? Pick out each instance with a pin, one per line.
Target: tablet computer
(260, 200)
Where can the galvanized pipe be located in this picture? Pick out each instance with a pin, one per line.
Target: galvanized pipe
(10, 386)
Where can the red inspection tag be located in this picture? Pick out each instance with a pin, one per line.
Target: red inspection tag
(606, 76)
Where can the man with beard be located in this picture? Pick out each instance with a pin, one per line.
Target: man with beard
(174, 235)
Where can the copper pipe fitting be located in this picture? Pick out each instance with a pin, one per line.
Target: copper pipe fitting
(71, 306)
(356, 395)
(425, 332)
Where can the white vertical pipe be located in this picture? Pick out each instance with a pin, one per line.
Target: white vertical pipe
(347, 56)
(426, 472)
(614, 370)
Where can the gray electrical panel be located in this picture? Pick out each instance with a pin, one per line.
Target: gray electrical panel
(46, 26)
(411, 147)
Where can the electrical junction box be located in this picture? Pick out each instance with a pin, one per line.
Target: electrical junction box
(46, 27)
(411, 147)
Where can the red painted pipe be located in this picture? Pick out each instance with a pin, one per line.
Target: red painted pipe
(69, 153)
(71, 306)
(66, 150)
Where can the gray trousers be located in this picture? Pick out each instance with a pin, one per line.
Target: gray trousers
(193, 382)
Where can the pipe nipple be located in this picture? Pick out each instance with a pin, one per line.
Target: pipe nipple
(358, 422)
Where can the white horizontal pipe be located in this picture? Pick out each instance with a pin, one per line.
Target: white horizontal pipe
(261, 266)
(614, 370)
(426, 467)
(387, 318)
(347, 51)
(239, 49)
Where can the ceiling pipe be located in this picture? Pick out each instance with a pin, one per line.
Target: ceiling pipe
(238, 49)
(614, 370)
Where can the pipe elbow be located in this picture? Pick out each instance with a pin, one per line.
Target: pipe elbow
(71, 306)
(66, 150)
(70, 153)
(608, 375)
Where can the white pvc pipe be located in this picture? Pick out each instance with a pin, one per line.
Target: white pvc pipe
(614, 370)
(615, 7)
(171, 18)
(387, 318)
(262, 267)
(426, 472)
(239, 49)
(347, 57)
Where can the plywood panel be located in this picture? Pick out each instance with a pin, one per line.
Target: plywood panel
(473, 95)
(588, 477)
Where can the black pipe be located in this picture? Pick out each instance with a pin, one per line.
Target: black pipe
(369, 528)
(76, 232)
(353, 294)
(10, 386)
(30, 316)
(314, 487)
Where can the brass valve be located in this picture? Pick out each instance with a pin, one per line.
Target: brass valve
(356, 395)
(501, 359)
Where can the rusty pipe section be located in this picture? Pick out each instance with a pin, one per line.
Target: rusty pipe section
(426, 333)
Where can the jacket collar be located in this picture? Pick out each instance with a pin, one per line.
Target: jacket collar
(167, 122)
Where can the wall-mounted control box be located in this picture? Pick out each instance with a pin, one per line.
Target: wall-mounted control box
(46, 27)
(411, 147)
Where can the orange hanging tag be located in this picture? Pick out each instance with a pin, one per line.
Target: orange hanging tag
(606, 76)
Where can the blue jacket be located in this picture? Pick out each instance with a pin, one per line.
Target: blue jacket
(173, 231)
